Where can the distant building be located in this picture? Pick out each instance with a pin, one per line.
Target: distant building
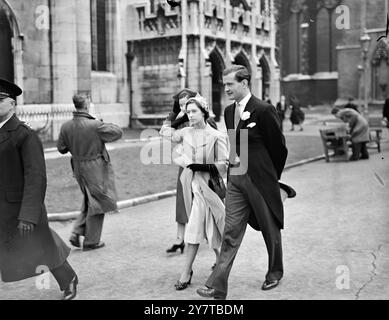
(192, 44)
(55, 48)
(131, 56)
(321, 53)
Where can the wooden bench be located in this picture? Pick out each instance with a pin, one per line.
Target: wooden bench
(337, 139)
(375, 133)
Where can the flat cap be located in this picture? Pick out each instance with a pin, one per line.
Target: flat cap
(9, 89)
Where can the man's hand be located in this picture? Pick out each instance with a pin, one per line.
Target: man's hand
(26, 228)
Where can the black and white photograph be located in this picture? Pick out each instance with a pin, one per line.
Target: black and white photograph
(194, 151)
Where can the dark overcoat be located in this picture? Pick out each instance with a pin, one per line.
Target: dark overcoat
(22, 194)
(267, 153)
(85, 137)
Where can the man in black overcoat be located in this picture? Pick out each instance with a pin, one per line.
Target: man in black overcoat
(27, 244)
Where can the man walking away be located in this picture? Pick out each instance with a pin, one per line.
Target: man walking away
(85, 137)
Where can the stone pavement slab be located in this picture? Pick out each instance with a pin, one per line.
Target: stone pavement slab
(336, 233)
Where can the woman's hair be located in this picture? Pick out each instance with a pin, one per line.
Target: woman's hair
(200, 104)
(183, 93)
(176, 106)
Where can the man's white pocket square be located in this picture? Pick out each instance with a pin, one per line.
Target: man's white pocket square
(251, 125)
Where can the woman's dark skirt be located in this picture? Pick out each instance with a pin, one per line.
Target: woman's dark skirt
(181, 216)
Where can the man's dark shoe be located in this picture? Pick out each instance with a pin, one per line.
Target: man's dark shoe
(270, 284)
(207, 292)
(71, 291)
(75, 240)
(89, 247)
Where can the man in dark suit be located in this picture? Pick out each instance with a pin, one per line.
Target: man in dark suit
(253, 192)
(27, 244)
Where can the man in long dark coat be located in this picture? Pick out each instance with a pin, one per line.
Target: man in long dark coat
(253, 194)
(85, 137)
(27, 244)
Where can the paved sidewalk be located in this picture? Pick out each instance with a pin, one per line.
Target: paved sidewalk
(337, 223)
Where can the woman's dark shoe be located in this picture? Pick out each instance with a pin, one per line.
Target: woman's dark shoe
(183, 285)
(175, 247)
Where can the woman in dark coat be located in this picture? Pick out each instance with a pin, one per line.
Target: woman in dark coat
(178, 119)
(281, 110)
(297, 116)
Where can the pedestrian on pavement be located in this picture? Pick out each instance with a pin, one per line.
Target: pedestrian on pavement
(203, 152)
(85, 137)
(253, 193)
(281, 110)
(27, 245)
(351, 105)
(297, 115)
(359, 131)
(178, 119)
(385, 113)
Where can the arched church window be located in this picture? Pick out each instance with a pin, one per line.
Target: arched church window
(323, 44)
(156, 57)
(148, 60)
(293, 61)
(327, 36)
(170, 56)
(99, 35)
(163, 56)
(380, 71)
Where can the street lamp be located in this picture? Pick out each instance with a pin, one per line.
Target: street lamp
(360, 69)
(365, 44)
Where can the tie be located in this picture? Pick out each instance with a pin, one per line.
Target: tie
(233, 155)
(237, 115)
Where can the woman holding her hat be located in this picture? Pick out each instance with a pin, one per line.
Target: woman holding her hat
(201, 149)
(178, 119)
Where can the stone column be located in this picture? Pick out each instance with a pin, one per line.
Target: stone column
(228, 37)
(84, 57)
(64, 49)
(274, 93)
(255, 86)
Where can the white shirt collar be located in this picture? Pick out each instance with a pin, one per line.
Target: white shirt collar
(5, 121)
(242, 104)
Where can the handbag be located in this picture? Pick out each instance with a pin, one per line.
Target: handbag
(216, 183)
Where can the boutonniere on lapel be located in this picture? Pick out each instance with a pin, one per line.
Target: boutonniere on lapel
(251, 125)
(245, 115)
